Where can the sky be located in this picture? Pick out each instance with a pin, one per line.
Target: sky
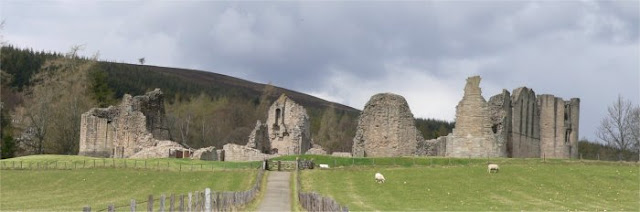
(347, 51)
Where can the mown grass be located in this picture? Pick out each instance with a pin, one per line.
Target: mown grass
(530, 184)
(72, 189)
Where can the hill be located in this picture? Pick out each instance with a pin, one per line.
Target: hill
(203, 108)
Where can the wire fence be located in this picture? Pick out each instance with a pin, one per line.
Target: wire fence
(124, 163)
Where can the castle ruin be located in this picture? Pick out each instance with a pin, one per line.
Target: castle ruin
(522, 125)
(285, 132)
(386, 128)
(137, 128)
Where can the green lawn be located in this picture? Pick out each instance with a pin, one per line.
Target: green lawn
(72, 189)
(521, 185)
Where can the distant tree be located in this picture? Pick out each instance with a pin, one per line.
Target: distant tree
(619, 128)
(141, 60)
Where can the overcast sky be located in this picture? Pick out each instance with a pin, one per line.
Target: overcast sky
(348, 51)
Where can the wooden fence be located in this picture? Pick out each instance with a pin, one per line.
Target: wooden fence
(312, 201)
(206, 200)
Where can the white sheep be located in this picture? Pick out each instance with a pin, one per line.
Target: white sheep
(379, 178)
(492, 167)
(324, 166)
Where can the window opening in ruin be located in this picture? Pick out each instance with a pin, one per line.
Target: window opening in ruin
(566, 116)
(566, 136)
(494, 128)
(275, 124)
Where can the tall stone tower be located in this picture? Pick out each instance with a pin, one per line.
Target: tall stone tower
(288, 127)
(386, 128)
(559, 124)
(473, 135)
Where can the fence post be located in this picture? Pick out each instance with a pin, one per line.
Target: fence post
(133, 205)
(172, 201)
(86, 209)
(150, 204)
(181, 206)
(207, 199)
(597, 155)
(110, 208)
(189, 205)
(161, 207)
(84, 163)
(279, 164)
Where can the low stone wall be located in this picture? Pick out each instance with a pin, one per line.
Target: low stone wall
(341, 154)
(234, 152)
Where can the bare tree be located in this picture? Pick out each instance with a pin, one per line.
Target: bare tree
(141, 60)
(617, 128)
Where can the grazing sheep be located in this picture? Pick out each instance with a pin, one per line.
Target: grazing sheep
(324, 166)
(379, 178)
(492, 167)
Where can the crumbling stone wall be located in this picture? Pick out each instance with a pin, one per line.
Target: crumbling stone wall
(259, 138)
(473, 135)
(123, 130)
(525, 136)
(559, 124)
(234, 152)
(288, 127)
(386, 128)
(501, 116)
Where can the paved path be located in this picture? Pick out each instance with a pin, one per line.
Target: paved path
(278, 194)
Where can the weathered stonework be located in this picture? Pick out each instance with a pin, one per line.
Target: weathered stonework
(501, 115)
(234, 152)
(518, 125)
(316, 150)
(288, 127)
(122, 131)
(433, 147)
(525, 136)
(386, 128)
(341, 154)
(136, 128)
(559, 124)
(473, 135)
(259, 138)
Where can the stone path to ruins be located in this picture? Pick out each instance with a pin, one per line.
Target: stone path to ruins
(278, 194)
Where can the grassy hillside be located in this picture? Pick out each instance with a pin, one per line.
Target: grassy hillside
(66, 190)
(520, 185)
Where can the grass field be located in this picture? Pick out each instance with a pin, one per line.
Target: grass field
(71, 189)
(529, 184)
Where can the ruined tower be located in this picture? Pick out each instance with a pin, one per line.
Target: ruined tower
(288, 127)
(386, 128)
(525, 136)
(559, 124)
(473, 135)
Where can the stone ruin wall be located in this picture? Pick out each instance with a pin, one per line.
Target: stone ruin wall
(523, 125)
(235, 152)
(559, 124)
(136, 128)
(285, 132)
(473, 135)
(288, 127)
(386, 128)
(525, 137)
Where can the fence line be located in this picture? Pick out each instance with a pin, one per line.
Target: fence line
(120, 163)
(312, 201)
(206, 200)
